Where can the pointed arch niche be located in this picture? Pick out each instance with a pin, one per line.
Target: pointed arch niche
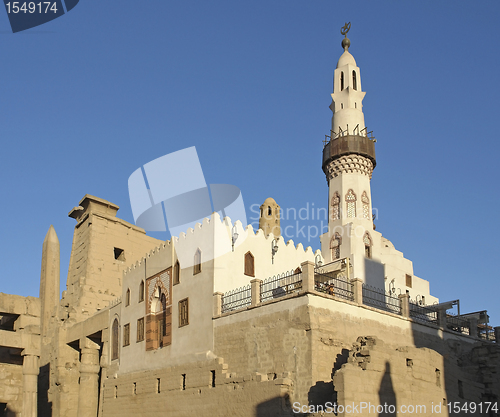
(367, 240)
(335, 243)
(335, 206)
(115, 339)
(366, 205)
(350, 199)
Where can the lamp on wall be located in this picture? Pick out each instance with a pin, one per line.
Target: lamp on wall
(318, 261)
(234, 236)
(274, 249)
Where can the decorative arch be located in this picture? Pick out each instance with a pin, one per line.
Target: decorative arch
(366, 205)
(354, 80)
(335, 243)
(367, 240)
(141, 291)
(177, 272)
(197, 262)
(115, 339)
(350, 199)
(335, 206)
(127, 297)
(249, 264)
(154, 305)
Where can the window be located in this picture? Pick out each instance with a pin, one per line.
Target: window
(140, 329)
(114, 340)
(177, 273)
(408, 280)
(183, 312)
(249, 264)
(158, 385)
(336, 206)
(197, 262)
(119, 254)
(366, 205)
(269, 211)
(126, 334)
(183, 382)
(341, 81)
(367, 240)
(350, 199)
(127, 297)
(141, 292)
(354, 80)
(335, 246)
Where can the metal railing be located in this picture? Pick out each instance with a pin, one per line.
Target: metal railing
(381, 299)
(237, 299)
(423, 314)
(338, 286)
(280, 285)
(457, 323)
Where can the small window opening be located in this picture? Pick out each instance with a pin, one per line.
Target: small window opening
(249, 264)
(127, 297)
(354, 81)
(438, 377)
(116, 391)
(341, 81)
(119, 254)
(135, 388)
(177, 273)
(213, 378)
(183, 382)
(197, 262)
(158, 387)
(269, 211)
(460, 389)
(408, 281)
(341, 105)
(409, 362)
(141, 292)
(126, 334)
(183, 312)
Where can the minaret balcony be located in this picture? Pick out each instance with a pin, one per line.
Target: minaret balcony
(341, 145)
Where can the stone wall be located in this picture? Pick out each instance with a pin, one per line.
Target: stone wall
(11, 388)
(204, 388)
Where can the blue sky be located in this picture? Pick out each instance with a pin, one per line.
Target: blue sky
(89, 97)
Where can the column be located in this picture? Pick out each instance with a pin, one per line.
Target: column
(218, 303)
(404, 302)
(255, 283)
(89, 376)
(30, 385)
(307, 276)
(357, 289)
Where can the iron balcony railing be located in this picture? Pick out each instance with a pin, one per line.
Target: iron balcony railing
(280, 285)
(381, 299)
(237, 299)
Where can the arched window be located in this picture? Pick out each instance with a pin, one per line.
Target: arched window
(177, 273)
(197, 262)
(336, 206)
(249, 264)
(269, 211)
(350, 199)
(354, 80)
(127, 297)
(367, 240)
(366, 205)
(341, 81)
(114, 340)
(335, 246)
(141, 292)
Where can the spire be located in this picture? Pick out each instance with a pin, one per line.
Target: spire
(49, 278)
(347, 97)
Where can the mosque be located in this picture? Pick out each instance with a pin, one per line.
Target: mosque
(225, 320)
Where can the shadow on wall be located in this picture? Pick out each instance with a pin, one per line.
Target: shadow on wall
(276, 407)
(386, 392)
(44, 406)
(5, 411)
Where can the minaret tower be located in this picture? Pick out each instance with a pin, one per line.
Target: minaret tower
(348, 162)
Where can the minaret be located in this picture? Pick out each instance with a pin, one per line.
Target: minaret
(49, 279)
(348, 160)
(269, 220)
